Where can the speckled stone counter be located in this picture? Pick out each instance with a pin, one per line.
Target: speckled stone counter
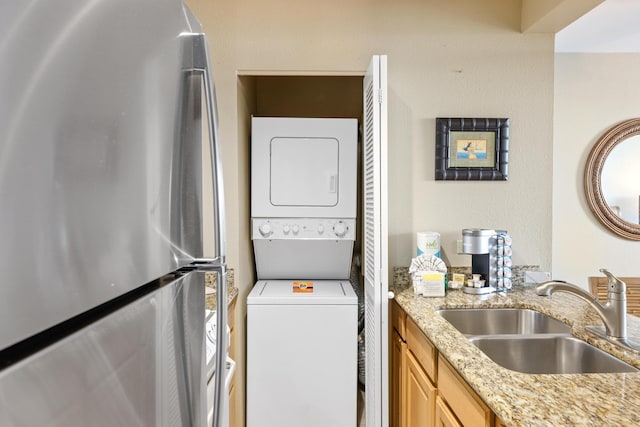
(210, 287)
(531, 399)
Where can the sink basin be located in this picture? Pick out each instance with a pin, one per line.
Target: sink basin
(531, 342)
(498, 321)
(550, 354)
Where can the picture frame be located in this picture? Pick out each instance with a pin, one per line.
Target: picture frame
(472, 149)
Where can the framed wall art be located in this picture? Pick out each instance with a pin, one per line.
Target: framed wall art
(472, 149)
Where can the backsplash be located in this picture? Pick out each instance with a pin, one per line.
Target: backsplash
(401, 274)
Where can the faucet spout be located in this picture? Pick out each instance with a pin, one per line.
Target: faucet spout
(613, 313)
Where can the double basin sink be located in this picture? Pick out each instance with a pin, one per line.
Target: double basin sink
(531, 342)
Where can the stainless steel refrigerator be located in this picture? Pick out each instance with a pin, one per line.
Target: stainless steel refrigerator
(102, 105)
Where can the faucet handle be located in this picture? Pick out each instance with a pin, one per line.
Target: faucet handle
(616, 285)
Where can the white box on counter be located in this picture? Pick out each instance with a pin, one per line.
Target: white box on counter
(428, 283)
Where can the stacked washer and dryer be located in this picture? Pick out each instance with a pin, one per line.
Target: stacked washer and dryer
(302, 314)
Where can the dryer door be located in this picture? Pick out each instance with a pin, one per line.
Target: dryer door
(304, 172)
(303, 167)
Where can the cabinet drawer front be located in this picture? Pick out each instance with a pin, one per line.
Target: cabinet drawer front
(422, 349)
(398, 317)
(463, 401)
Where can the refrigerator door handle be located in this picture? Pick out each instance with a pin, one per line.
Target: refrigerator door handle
(196, 59)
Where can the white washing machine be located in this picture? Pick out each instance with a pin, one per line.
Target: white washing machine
(302, 354)
(303, 196)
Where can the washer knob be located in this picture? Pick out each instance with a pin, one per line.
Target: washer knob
(265, 230)
(320, 229)
(339, 229)
(286, 229)
(295, 229)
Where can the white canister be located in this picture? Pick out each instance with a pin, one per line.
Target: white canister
(428, 242)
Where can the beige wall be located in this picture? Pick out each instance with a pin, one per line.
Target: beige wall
(446, 58)
(593, 93)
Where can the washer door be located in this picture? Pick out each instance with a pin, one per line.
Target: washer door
(304, 172)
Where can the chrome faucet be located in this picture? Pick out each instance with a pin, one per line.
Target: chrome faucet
(613, 312)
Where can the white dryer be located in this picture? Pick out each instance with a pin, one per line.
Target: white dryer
(303, 196)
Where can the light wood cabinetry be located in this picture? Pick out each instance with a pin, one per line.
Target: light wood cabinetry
(398, 318)
(444, 416)
(420, 346)
(463, 401)
(413, 371)
(420, 395)
(425, 389)
(397, 372)
(397, 357)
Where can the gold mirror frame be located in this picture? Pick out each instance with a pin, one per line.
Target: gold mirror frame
(593, 174)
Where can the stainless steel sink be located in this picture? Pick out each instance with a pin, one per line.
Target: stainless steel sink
(494, 321)
(548, 354)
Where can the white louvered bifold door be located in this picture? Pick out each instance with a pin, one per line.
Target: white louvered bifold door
(375, 243)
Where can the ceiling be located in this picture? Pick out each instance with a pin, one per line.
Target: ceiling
(610, 27)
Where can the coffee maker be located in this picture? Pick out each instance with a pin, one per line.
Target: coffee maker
(490, 252)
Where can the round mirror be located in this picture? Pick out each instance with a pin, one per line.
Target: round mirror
(612, 179)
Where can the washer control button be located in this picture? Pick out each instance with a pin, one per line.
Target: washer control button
(320, 229)
(286, 229)
(265, 230)
(339, 229)
(295, 229)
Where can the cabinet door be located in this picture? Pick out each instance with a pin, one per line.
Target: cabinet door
(444, 416)
(397, 356)
(397, 318)
(419, 397)
(460, 397)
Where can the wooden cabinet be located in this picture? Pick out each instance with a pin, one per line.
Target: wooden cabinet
(397, 380)
(419, 391)
(444, 416)
(412, 369)
(420, 395)
(397, 355)
(398, 318)
(465, 404)
(425, 390)
(422, 349)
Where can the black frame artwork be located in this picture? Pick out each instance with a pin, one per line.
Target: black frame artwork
(472, 149)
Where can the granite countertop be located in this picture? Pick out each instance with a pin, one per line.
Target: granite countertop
(210, 289)
(531, 399)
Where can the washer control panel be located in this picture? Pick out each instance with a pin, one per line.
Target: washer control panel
(304, 228)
